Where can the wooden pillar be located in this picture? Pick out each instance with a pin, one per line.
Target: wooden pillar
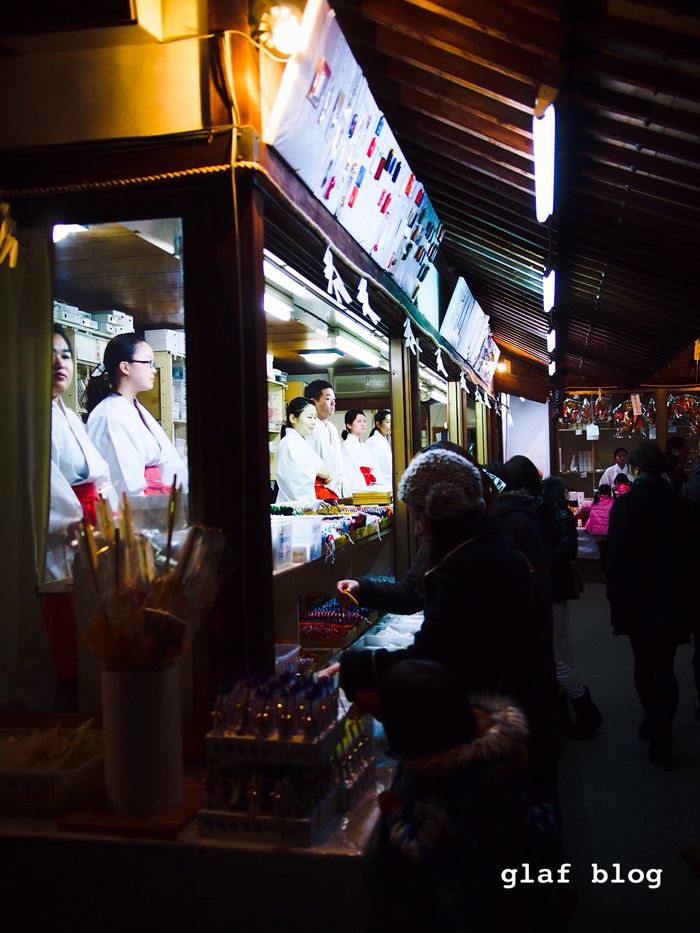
(456, 414)
(405, 439)
(227, 389)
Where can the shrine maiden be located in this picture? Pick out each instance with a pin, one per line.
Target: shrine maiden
(379, 443)
(358, 461)
(141, 457)
(299, 467)
(79, 474)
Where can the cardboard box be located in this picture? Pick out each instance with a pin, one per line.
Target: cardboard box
(306, 537)
(164, 339)
(281, 532)
(105, 327)
(114, 317)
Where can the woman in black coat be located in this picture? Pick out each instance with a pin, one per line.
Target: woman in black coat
(652, 563)
(481, 619)
(558, 528)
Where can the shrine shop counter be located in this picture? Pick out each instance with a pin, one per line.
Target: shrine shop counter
(107, 878)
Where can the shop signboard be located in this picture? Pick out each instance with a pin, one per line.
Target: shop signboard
(327, 126)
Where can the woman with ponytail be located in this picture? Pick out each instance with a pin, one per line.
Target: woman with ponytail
(301, 473)
(358, 461)
(379, 443)
(141, 458)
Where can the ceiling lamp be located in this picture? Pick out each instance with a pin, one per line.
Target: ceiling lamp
(280, 29)
(549, 289)
(544, 149)
(552, 368)
(277, 307)
(551, 341)
(321, 357)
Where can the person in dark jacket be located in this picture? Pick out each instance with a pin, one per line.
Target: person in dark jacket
(691, 492)
(516, 514)
(458, 812)
(652, 565)
(561, 542)
(516, 517)
(481, 619)
(676, 459)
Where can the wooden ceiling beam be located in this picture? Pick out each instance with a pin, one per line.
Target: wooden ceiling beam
(518, 93)
(638, 39)
(459, 36)
(631, 106)
(473, 103)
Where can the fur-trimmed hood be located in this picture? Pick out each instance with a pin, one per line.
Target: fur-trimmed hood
(502, 730)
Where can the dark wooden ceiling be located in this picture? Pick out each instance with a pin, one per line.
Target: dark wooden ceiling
(458, 81)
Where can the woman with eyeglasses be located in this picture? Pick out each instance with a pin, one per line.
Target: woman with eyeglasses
(141, 458)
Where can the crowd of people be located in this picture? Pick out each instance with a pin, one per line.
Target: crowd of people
(475, 709)
(323, 463)
(493, 577)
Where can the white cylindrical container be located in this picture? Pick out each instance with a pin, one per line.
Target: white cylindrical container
(142, 740)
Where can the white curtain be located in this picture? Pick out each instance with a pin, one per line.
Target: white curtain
(26, 669)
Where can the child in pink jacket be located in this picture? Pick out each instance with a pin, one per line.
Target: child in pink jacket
(597, 524)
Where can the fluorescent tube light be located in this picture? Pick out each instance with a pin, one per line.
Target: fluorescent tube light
(551, 341)
(357, 351)
(549, 288)
(277, 307)
(552, 368)
(438, 397)
(544, 148)
(349, 323)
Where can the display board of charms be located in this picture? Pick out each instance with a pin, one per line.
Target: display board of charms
(281, 761)
(631, 415)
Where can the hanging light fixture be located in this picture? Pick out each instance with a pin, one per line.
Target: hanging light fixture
(544, 149)
(322, 357)
(279, 29)
(549, 286)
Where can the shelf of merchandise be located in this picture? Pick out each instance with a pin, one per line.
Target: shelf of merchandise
(167, 400)
(572, 439)
(275, 418)
(314, 582)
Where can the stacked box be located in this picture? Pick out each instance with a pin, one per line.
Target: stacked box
(117, 318)
(165, 339)
(65, 312)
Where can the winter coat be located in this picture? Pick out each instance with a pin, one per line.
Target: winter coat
(462, 817)
(561, 540)
(473, 623)
(475, 633)
(597, 523)
(652, 560)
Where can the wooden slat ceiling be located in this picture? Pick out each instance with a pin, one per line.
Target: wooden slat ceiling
(458, 81)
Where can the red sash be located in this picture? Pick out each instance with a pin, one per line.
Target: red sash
(322, 491)
(369, 478)
(88, 497)
(154, 481)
